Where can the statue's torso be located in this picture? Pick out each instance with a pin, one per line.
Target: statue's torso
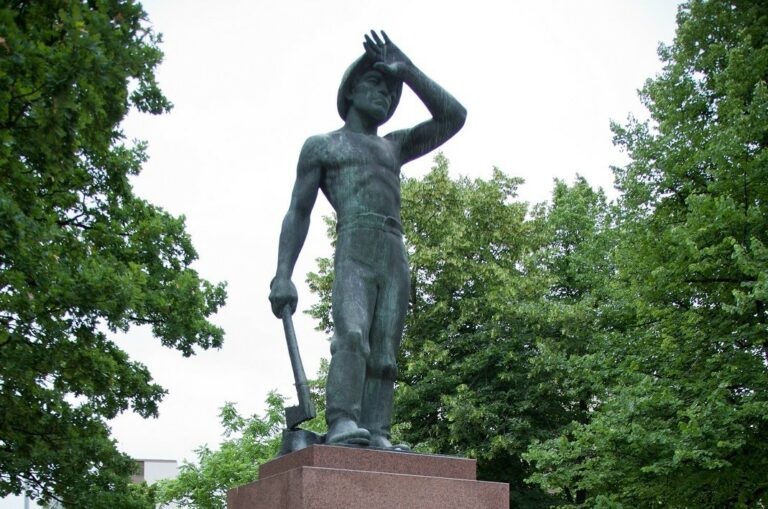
(361, 174)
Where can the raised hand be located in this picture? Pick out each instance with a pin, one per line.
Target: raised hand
(387, 57)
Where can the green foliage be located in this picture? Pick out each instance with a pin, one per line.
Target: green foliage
(683, 421)
(321, 283)
(499, 302)
(79, 253)
(466, 349)
(249, 442)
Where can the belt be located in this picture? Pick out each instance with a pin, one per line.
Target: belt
(371, 220)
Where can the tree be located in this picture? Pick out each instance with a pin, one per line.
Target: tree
(80, 255)
(579, 236)
(249, 442)
(493, 291)
(683, 420)
(464, 374)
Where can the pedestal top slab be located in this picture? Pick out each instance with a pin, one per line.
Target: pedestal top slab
(372, 460)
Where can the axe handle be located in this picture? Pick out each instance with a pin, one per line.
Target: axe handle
(302, 390)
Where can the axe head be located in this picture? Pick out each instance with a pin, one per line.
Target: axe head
(295, 415)
(297, 439)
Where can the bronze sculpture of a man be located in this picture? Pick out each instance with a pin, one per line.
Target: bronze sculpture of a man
(359, 173)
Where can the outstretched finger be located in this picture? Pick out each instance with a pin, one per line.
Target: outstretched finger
(370, 52)
(376, 38)
(371, 44)
(386, 38)
(373, 52)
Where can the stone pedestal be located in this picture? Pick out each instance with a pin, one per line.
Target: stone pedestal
(324, 476)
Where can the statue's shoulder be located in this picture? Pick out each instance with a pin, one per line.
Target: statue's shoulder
(314, 142)
(317, 145)
(319, 140)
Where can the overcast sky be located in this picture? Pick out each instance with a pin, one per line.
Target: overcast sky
(251, 80)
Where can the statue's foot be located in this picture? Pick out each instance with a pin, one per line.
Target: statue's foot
(382, 442)
(346, 431)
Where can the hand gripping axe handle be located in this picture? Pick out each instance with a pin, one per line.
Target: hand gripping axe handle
(305, 410)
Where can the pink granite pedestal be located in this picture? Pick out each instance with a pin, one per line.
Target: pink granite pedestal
(324, 476)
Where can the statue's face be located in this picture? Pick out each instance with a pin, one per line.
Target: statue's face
(372, 95)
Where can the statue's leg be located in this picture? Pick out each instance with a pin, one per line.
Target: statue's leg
(386, 333)
(353, 300)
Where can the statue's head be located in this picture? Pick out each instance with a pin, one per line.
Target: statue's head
(352, 76)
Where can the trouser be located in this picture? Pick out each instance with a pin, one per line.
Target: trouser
(369, 303)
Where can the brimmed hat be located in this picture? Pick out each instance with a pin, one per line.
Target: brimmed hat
(354, 71)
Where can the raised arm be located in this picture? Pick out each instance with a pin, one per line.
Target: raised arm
(295, 227)
(448, 114)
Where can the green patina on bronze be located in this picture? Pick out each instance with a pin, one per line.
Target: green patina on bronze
(359, 173)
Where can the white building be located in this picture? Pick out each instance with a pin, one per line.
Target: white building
(155, 470)
(150, 471)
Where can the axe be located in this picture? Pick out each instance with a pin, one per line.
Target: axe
(305, 410)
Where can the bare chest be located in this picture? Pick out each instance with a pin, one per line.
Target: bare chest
(361, 174)
(359, 152)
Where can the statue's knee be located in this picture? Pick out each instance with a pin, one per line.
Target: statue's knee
(351, 340)
(384, 368)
